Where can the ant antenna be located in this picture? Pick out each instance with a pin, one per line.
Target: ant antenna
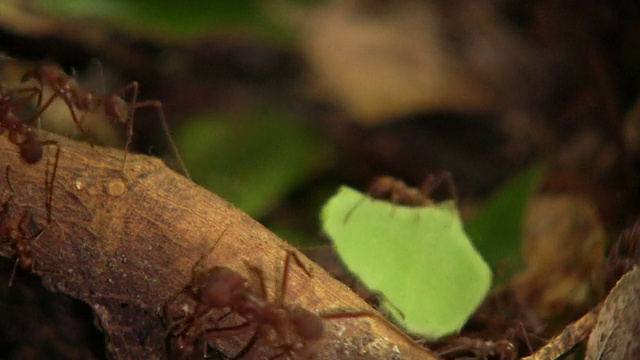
(198, 263)
(134, 104)
(285, 273)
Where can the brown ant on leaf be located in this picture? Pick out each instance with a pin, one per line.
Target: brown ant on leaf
(291, 331)
(113, 105)
(399, 193)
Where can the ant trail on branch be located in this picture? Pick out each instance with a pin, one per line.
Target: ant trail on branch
(113, 105)
(398, 193)
(20, 239)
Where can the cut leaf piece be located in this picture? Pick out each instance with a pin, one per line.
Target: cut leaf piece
(420, 259)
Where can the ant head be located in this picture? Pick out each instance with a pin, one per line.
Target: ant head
(308, 325)
(10, 121)
(215, 287)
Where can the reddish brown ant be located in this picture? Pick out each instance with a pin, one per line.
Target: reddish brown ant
(289, 330)
(23, 134)
(19, 238)
(480, 349)
(399, 193)
(396, 191)
(113, 106)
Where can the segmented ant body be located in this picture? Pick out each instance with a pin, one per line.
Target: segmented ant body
(23, 134)
(113, 105)
(480, 349)
(16, 235)
(398, 193)
(291, 331)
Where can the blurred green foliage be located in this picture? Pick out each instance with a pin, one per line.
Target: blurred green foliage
(252, 159)
(497, 229)
(174, 19)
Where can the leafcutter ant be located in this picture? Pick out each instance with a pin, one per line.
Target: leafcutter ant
(290, 331)
(113, 105)
(399, 193)
(23, 134)
(17, 236)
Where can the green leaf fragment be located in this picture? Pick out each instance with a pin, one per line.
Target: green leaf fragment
(430, 275)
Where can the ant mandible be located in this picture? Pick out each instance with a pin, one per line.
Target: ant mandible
(113, 106)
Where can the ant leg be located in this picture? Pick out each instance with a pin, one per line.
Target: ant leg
(227, 331)
(128, 121)
(13, 271)
(432, 182)
(33, 90)
(74, 117)
(249, 346)
(165, 128)
(12, 237)
(260, 275)
(49, 183)
(9, 182)
(285, 273)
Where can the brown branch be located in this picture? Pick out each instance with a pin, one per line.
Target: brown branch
(571, 336)
(126, 243)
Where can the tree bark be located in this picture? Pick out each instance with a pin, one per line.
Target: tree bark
(126, 242)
